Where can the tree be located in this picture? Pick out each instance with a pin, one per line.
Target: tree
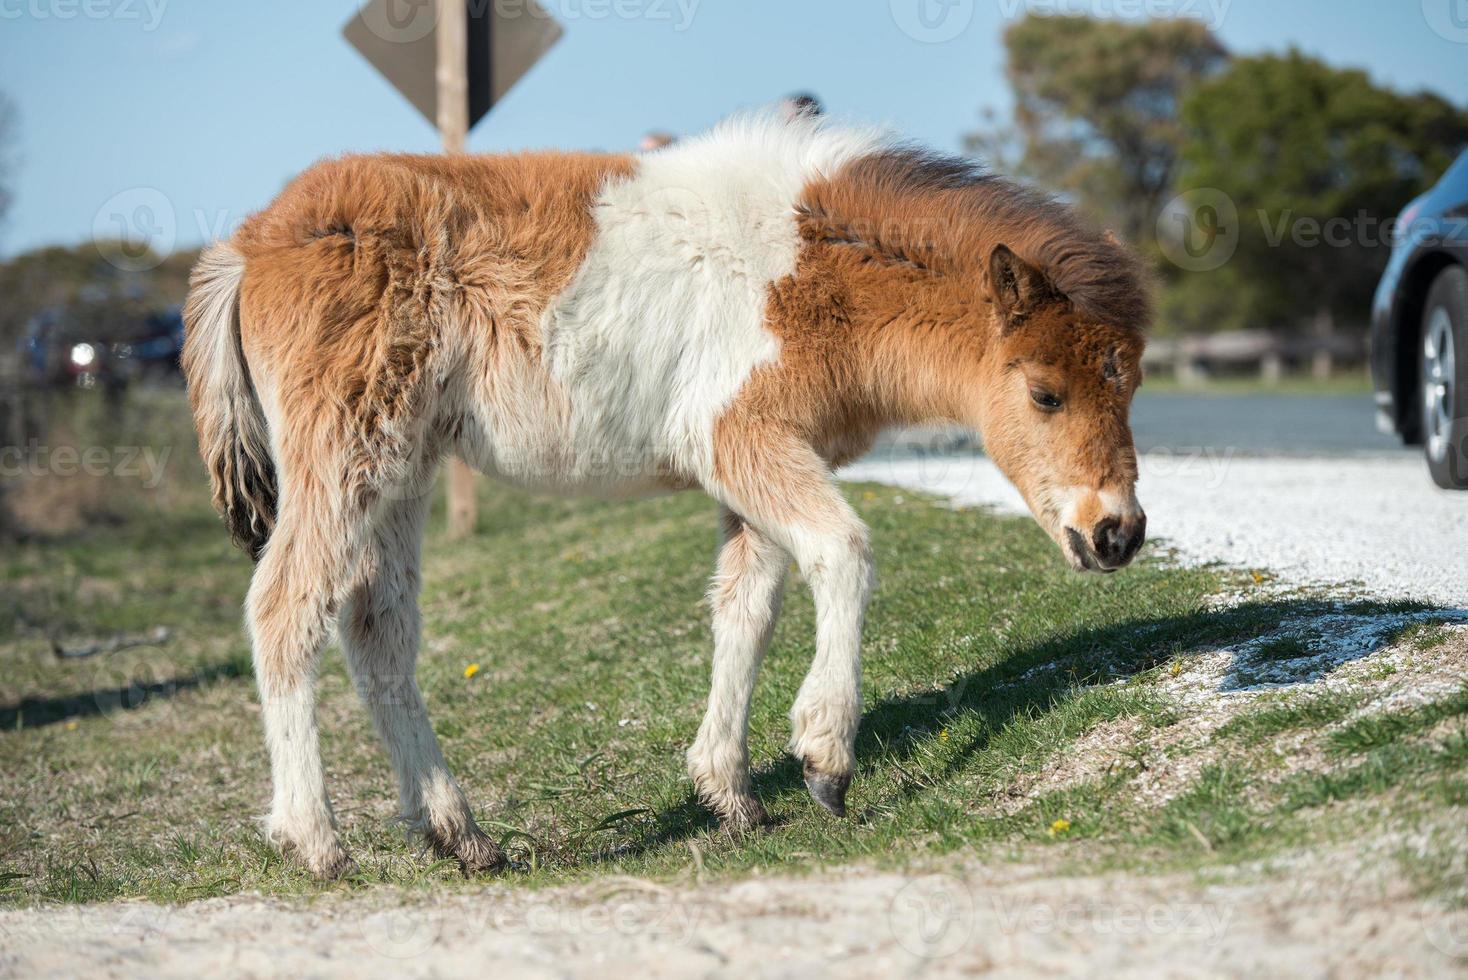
(1096, 110)
(1317, 161)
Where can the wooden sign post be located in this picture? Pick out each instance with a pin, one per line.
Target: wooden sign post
(453, 127)
(453, 59)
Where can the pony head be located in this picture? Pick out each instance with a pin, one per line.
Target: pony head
(1054, 413)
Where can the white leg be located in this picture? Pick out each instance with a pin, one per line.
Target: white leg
(379, 628)
(786, 491)
(747, 588)
(827, 709)
(288, 613)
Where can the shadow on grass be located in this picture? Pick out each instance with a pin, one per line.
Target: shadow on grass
(1048, 675)
(28, 713)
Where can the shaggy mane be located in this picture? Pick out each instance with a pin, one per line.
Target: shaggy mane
(947, 213)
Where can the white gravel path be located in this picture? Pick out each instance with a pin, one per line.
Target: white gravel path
(1376, 522)
(1295, 919)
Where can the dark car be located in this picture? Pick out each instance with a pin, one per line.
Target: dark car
(97, 344)
(1419, 329)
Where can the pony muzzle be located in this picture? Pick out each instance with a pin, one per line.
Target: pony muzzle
(1111, 543)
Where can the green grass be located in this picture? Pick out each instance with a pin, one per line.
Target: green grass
(141, 773)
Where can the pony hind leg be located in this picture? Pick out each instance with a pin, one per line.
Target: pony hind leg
(379, 629)
(293, 595)
(748, 586)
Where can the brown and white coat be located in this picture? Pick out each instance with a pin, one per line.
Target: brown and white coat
(740, 313)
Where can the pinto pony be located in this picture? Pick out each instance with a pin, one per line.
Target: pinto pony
(741, 313)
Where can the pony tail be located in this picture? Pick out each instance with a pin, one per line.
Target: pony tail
(227, 413)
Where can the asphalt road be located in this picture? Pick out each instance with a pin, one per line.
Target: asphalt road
(1260, 424)
(1220, 426)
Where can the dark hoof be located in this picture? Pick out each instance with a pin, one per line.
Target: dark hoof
(336, 869)
(476, 852)
(746, 817)
(827, 790)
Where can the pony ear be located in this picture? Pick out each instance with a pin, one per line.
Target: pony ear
(1015, 286)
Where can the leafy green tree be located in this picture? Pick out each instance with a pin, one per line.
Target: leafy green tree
(1096, 110)
(1317, 161)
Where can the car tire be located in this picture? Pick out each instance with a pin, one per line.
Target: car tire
(1442, 387)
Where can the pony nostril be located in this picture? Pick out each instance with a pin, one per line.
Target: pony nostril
(1135, 538)
(1108, 540)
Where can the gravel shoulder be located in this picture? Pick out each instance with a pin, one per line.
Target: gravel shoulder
(1312, 917)
(1375, 522)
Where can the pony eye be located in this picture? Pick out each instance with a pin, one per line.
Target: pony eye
(1044, 399)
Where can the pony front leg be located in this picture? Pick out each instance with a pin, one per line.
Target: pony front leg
(747, 588)
(786, 490)
(827, 710)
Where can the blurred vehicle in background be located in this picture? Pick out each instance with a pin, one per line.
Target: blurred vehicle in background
(61, 348)
(1419, 329)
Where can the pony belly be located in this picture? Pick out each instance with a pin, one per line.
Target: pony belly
(551, 456)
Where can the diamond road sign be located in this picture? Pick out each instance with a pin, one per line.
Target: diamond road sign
(399, 38)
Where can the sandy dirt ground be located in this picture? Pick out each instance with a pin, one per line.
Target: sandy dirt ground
(1311, 918)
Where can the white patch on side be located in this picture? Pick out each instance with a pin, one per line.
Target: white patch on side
(664, 321)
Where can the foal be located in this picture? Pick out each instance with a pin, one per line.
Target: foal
(741, 313)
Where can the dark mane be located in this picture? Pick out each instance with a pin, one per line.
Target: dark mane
(947, 213)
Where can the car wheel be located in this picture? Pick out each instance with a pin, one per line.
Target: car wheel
(1444, 379)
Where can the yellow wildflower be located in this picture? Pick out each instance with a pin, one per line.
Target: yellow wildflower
(470, 671)
(1059, 827)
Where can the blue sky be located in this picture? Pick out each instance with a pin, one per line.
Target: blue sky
(205, 109)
